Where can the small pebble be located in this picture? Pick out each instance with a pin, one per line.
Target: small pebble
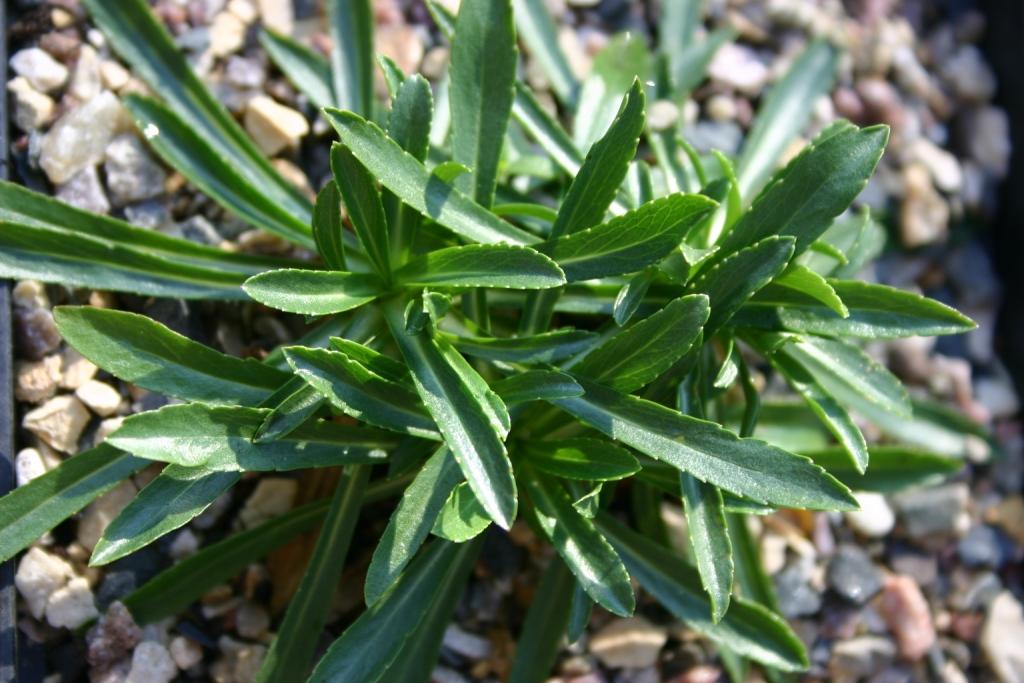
(271, 497)
(632, 643)
(908, 617)
(151, 663)
(44, 72)
(32, 109)
(37, 334)
(469, 645)
(113, 636)
(185, 652)
(133, 175)
(1001, 638)
(71, 605)
(58, 422)
(28, 465)
(227, 34)
(982, 547)
(251, 620)
(852, 575)
(102, 398)
(937, 511)
(36, 381)
(39, 576)
(84, 191)
(273, 126)
(77, 369)
(79, 139)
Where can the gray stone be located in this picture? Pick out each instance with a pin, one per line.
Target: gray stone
(84, 191)
(705, 136)
(938, 511)
(797, 597)
(79, 138)
(185, 652)
(852, 575)
(37, 334)
(969, 75)
(740, 68)
(975, 592)
(113, 636)
(152, 215)
(243, 72)
(199, 229)
(151, 663)
(466, 644)
(859, 658)
(133, 175)
(1001, 638)
(982, 546)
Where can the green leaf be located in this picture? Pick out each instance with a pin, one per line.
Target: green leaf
(875, 312)
(551, 137)
(483, 74)
(483, 265)
(409, 122)
(367, 647)
(893, 468)
(814, 188)
(172, 500)
(828, 410)
(378, 363)
(358, 391)
(461, 517)
(546, 347)
(632, 295)
(31, 510)
(709, 539)
(169, 134)
(747, 628)
(141, 40)
(313, 292)
(306, 69)
(291, 651)
(802, 280)
(393, 74)
(579, 614)
(729, 283)
(784, 112)
(536, 385)
(747, 467)
(587, 554)
(849, 374)
(630, 242)
(141, 351)
(638, 354)
(616, 67)
(328, 228)
(411, 182)
(299, 404)
(465, 416)
(546, 621)
(690, 67)
(175, 588)
(28, 252)
(540, 35)
(594, 188)
(411, 522)
(220, 439)
(586, 459)
(364, 206)
(351, 24)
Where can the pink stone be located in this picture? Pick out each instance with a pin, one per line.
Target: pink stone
(907, 614)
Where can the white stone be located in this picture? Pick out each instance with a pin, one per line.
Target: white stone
(272, 496)
(102, 398)
(152, 663)
(71, 605)
(277, 15)
(1001, 638)
(43, 71)
(39, 576)
(58, 422)
(244, 10)
(740, 68)
(84, 191)
(632, 643)
(875, 518)
(28, 465)
(77, 369)
(36, 381)
(943, 166)
(184, 544)
(969, 75)
(85, 79)
(251, 620)
(469, 645)
(662, 115)
(113, 75)
(402, 43)
(79, 138)
(32, 109)
(106, 428)
(30, 294)
(273, 126)
(102, 511)
(133, 175)
(227, 34)
(720, 108)
(185, 652)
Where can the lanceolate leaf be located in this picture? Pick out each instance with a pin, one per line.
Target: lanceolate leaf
(361, 393)
(411, 522)
(637, 355)
(378, 363)
(483, 73)
(306, 69)
(290, 653)
(709, 539)
(587, 554)
(461, 517)
(217, 438)
(141, 351)
(546, 131)
(546, 347)
(536, 385)
(175, 497)
(731, 281)
(875, 312)
(364, 206)
(813, 188)
(411, 182)
(483, 265)
(539, 32)
(747, 628)
(313, 292)
(31, 510)
(604, 169)
(586, 459)
(623, 60)
(545, 624)
(893, 468)
(630, 242)
(289, 412)
(747, 467)
(409, 125)
(805, 281)
(327, 227)
(463, 417)
(784, 112)
(351, 24)
(367, 647)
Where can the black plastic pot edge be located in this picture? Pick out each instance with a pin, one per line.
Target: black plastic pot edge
(8, 608)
